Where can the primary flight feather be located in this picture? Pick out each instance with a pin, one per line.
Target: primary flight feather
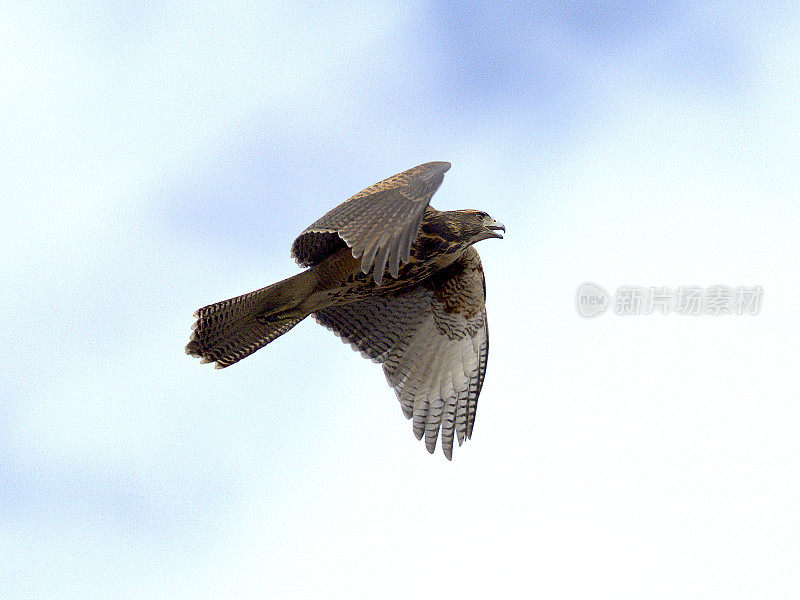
(398, 280)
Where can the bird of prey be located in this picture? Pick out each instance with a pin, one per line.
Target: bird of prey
(398, 280)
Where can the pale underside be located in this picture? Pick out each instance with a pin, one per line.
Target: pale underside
(433, 356)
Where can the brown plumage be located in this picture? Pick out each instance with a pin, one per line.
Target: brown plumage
(398, 280)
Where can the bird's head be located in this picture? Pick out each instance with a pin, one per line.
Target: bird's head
(476, 225)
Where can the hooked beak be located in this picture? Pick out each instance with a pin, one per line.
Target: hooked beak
(494, 227)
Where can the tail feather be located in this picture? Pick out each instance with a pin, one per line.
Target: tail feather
(228, 331)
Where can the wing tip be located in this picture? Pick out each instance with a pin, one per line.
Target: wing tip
(441, 166)
(433, 170)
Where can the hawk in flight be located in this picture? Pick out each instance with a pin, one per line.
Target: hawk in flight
(398, 280)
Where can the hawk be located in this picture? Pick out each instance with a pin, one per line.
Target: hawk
(395, 278)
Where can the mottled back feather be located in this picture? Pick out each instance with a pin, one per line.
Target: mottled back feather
(379, 223)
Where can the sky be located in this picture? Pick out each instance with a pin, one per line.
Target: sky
(157, 158)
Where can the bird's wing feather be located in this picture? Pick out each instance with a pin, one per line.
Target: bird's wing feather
(433, 343)
(379, 223)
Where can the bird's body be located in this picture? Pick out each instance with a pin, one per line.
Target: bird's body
(339, 278)
(410, 297)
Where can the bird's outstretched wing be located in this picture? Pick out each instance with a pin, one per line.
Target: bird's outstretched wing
(379, 223)
(433, 343)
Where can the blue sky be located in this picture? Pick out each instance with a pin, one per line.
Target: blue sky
(156, 159)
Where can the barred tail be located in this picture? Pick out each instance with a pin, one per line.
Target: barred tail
(228, 331)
